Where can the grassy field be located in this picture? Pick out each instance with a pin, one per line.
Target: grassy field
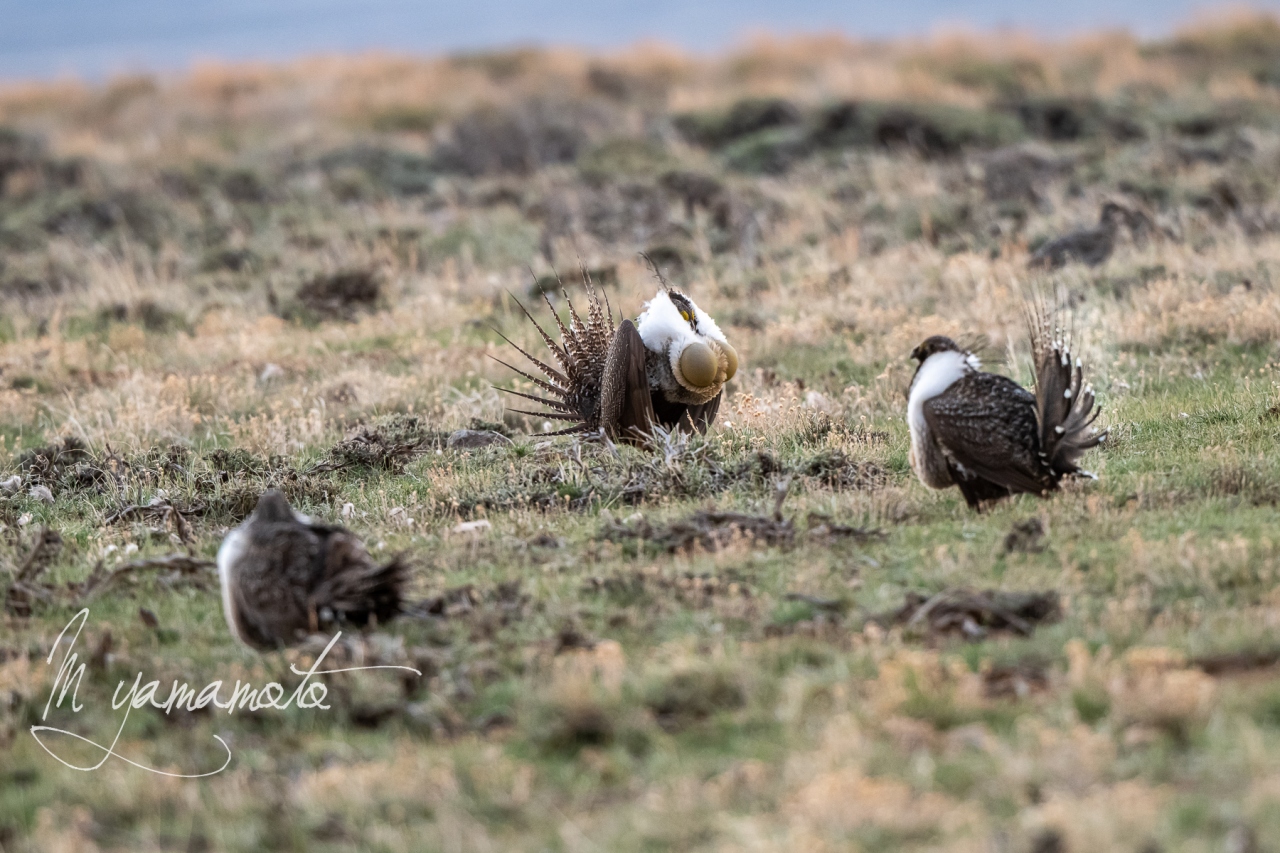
(293, 276)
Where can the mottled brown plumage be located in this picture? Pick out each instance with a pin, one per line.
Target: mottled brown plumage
(285, 576)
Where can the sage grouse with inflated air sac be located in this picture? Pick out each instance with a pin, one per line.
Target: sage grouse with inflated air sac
(668, 369)
(285, 576)
(990, 436)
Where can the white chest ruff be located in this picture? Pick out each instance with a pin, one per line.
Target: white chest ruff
(663, 329)
(228, 554)
(666, 334)
(938, 373)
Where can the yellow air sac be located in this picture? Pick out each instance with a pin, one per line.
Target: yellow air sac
(732, 355)
(699, 365)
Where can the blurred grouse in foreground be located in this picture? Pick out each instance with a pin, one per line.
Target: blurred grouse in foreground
(668, 368)
(285, 576)
(1091, 246)
(990, 436)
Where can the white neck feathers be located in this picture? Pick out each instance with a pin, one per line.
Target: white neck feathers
(938, 373)
(228, 554)
(661, 326)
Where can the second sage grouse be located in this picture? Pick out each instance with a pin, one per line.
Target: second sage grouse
(668, 369)
(990, 436)
(1090, 246)
(285, 576)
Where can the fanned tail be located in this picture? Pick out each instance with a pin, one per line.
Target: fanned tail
(1064, 401)
(572, 388)
(367, 594)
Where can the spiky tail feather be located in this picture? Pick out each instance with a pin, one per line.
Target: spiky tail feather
(1064, 401)
(371, 593)
(573, 386)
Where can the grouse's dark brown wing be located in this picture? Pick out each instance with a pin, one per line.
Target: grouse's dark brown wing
(986, 425)
(702, 417)
(352, 587)
(275, 571)
(626, 406)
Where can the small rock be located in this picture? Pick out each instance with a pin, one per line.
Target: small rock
(41, 493)
(148, 617)
(11, 486)
(270, 373)
(468, 439)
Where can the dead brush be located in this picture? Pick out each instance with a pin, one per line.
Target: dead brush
(340, 296)
(693, 694)
(26, 589)
(690, 589)
(47, 466)
(583, 474)
(159, 510)
(1250, 483)
(711, 530)
(69, 465)
(175, 489)
(708, 530)
(837, 470)
(973, 615)
(388, 446)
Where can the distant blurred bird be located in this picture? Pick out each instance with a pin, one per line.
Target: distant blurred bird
(987, 434)
(1091, 246)
(668, 368)
(285, 576)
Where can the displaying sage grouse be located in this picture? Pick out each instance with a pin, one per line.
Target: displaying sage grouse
(668, 368)
(285, 576)
(990, 436)
(1091, 246)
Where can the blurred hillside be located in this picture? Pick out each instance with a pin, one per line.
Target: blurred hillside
(587, 153)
